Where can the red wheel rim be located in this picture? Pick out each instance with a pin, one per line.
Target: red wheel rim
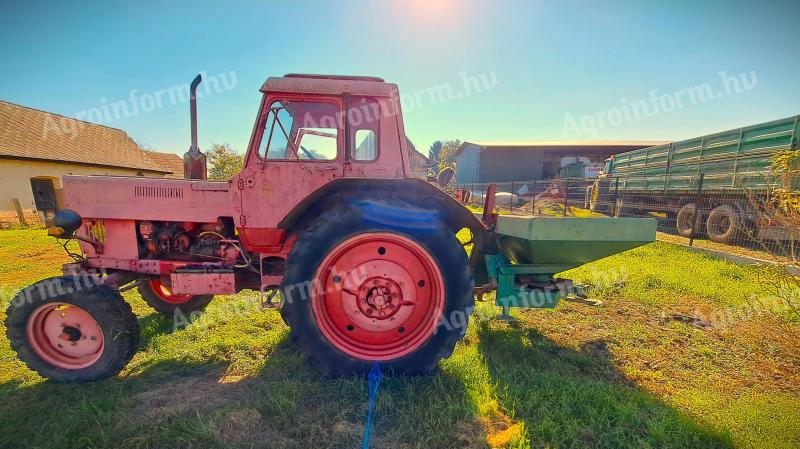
(378, 296)
(165, 294)
(65, 336)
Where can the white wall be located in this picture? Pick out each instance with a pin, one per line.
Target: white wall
(15, 180)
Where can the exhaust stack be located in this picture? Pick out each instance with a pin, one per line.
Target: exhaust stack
(194, 161)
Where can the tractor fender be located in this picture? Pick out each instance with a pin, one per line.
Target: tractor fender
(401, 202)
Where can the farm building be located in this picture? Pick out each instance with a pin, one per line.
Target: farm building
(479, 162)
(37, 148)
(419, 162)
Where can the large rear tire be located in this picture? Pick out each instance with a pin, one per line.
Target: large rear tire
(72, 330)
(376, 283)
(160, 297)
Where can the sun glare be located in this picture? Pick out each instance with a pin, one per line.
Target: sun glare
(431, 10)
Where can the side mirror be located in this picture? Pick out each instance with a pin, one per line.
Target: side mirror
(64, 224)
(445, 177)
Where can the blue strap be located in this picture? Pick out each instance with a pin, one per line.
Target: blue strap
(374, 383)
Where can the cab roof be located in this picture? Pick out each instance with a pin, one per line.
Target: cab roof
(330, 85)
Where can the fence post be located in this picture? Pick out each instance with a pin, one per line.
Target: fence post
(511, 199)
(20, 214)
(616, 194)
(471, 191)
(566, 196)
(697, 199)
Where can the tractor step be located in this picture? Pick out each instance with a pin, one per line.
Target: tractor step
(203, 281)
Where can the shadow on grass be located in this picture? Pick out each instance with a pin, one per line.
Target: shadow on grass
(570, 398)
(286, 404)
(565, 398)
(153, 325)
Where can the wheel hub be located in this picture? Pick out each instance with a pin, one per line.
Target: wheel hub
(70, 334)
(380, 298)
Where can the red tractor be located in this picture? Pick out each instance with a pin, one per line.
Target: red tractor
(324, 210)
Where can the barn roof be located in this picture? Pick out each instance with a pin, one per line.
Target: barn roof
(169, 161)
(27, 133)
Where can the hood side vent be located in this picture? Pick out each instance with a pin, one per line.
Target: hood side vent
(170, 193)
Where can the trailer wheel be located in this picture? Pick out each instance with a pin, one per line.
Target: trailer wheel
(723, 224)
(359, 290)
(685, 220)
(160, 297)
(72, 331)
(598, 194)
(619, 204)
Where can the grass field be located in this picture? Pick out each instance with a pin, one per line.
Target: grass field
(631, 373)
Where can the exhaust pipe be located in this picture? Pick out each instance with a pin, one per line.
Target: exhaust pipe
(194, 161)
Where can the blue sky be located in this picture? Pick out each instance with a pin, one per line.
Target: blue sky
(561, 70)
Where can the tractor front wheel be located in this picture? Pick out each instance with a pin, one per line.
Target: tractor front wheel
(72, 329)
(358, 291)
(161, 298)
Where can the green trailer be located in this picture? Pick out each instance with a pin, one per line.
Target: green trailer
(734, 164)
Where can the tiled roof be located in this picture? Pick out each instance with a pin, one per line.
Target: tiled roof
(169, 161)
(34, 134)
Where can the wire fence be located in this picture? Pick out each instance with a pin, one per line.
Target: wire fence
(562, 197)
(704, 210)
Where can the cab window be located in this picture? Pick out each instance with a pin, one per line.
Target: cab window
(317, 143)
(363, 114)
(304, 130)
(365, 145)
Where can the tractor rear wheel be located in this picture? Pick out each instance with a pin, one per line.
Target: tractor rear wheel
(71, 332)
(160, 297)
(358, 291)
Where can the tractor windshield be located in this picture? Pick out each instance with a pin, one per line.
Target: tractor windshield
(300, 130)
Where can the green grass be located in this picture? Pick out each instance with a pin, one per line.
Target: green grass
(660, 274)
(621, 375)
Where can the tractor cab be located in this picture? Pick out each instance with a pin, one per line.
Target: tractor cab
(350, 126)
(312, 130)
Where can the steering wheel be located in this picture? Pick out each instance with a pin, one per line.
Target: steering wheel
(306, 152)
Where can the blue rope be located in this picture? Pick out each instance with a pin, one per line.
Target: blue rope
(374, 383)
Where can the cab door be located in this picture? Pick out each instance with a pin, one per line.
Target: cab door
(297, 148)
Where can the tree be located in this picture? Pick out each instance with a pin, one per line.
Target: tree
(447, 155)
(223, 162)
(143, 145)
(780, 282)
(434, 150)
